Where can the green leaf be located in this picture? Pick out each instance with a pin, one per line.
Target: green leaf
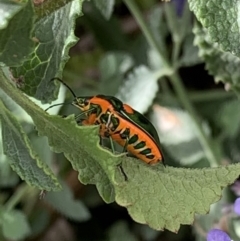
(120, 231)
(100, 27)
(220, 18)
(162, 197)
(105, 7)
(8, 10)
(140, 89)
(65, 203)
(167, 197)
(23, 160)
(190, 52)
(215, 214)
(45, 8)
(15, 42)
(224, 66)
(113, 66)
(54, 35)
(159, 27)
(14, 224)
(76, 144)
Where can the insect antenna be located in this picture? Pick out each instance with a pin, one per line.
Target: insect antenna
(58, 79)
(57, 105)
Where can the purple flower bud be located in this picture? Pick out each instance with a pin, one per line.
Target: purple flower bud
(236, 206)
(217, 235)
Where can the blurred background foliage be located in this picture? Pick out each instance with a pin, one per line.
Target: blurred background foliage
(113, 57)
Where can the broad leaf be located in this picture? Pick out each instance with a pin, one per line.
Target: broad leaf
(220, 18)
(15, 42)
(22, 158)
(162, 197)
(223, 66)
(54, 36)
(167, 197)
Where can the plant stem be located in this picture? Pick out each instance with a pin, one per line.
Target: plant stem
(177, 84)
(17, 196)
(210, 95)
(131, 4)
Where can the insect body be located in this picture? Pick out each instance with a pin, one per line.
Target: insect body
(132, 137)
(121, 123)
(126, 126)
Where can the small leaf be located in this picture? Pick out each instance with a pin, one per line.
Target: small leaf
(120, 231)
(15, 41)
(140, 89)
(54, 35)
(14, 225)
(100, 27)
(190, 52)
(113, 66)
(23, 160)
(159, 27)
(65, 203)
(105, 7)
(220, 18)
(224, 66)
(230, 125)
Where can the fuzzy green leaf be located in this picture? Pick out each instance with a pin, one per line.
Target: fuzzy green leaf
(76, 143)
(190, 52)
(168, 197)
(225, 67)
(8, 10)
(14, 224)
(15, 41)
(23, 160)
(220, 18)
(113, 66)
(140, 89)
(65, 203)
(105, 7)
(162, 197)
(54, 35)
